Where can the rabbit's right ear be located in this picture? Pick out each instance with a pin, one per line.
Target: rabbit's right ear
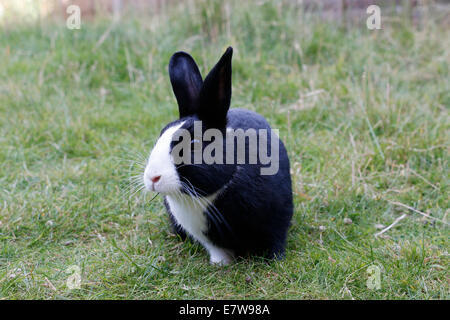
(186, 82)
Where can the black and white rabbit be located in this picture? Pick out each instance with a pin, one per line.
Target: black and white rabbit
(230, 208)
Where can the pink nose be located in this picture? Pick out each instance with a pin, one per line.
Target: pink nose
(155, 179)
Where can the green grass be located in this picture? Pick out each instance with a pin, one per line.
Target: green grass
(364, 115)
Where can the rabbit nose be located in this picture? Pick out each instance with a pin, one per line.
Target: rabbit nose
(155, 179)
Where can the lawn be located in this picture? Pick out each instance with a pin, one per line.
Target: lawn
(364, 115)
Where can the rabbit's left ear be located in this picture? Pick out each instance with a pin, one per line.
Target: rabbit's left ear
(215, 95)
(186, 82)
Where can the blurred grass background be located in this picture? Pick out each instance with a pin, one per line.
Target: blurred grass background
(364, 115)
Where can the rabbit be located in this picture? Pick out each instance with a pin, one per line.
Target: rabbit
(231, 209)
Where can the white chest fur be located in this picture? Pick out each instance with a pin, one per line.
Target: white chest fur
(189, 214)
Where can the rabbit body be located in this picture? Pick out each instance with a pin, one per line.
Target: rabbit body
(230, 207)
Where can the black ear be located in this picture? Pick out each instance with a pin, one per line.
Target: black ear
(186, 82)
(215, 96)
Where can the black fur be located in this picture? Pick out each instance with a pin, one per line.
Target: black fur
(186, 82)
(252, 213)
(215, 95)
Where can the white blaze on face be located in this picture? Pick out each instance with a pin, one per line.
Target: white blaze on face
(160, 174)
